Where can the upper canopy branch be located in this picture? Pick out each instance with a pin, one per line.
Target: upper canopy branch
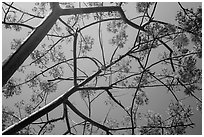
(11, 64)
(101, 9)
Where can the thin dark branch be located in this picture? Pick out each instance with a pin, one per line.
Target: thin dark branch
(101, 9)
(155, 5)
(97, 96)
(170, 55)
(49, 50)
(165, 86)
(60, 19)
(104, 121)
(48, 122)
(101, 44)
(7, 10)
(168, 126)
(66, 118)
(70, 78)
(49, 107)
(95, 88)
(103, 20)
(42, 72)
(178, 27)
(117, 102)
(146, 86)
(22, 11)
(86, 118)
(24, 21)
(75, 58)
(11, 114)
(18, 24)
(189, 91)
(184, 10)
(134, 97)
(114, 52)
(20, 17)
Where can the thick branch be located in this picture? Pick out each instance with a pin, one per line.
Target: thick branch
(101, 9)
(11, 65)
(15, 60)
(86, 118)
(31, 42)
(49, 107)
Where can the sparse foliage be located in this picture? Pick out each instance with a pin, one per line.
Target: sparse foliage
(104, 66)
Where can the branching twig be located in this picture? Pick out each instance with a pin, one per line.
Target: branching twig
(117, 102)
(17, 24)
(189, 91)
(22, 11)
(7, 10)
(86, 118)
(170, 55)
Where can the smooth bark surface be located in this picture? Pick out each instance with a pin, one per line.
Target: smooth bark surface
(11, 64)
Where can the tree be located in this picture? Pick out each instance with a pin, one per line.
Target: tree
(90, 68)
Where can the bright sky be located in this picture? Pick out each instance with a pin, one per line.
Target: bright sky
(167, 16)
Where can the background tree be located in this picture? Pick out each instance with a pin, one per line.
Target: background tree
(97, 68)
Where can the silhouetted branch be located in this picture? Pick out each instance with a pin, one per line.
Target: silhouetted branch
(86, 118)
(7, 10)
(11, 64)
(66, 118)
(48, 122)
(75, 58)
(22, 11)
(15, 60)
(189, 91)
(170, 55)
(47, 108)
(18, 24)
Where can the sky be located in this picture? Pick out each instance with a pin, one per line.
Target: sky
(170, 10)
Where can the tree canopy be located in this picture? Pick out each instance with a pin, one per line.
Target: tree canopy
(101, 68)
